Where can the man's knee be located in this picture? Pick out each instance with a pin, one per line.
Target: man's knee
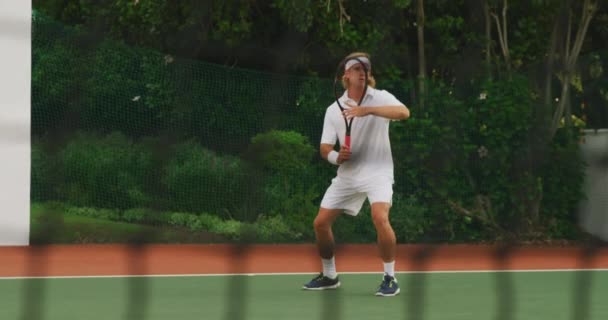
(380, 213)
(324, 219)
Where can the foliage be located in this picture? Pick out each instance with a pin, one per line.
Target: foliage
(563, 177)
(465, 160)
(200, 180)
(54, 77)
(591, 102)
(127, 90)
(411, 220)
(462, 165)
(283, 152)
(288, 187)
(359, 229)
(53, 223)
(108, 171)
(41, 176)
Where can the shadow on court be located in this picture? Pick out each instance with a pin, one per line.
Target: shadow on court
(51, 225)
(416, 287)
(581, 299)
(504, 283)
(138, 287)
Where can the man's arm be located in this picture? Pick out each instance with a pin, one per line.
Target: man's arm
(343, 155)
(390, 112)
(398, 112)
(325, 149)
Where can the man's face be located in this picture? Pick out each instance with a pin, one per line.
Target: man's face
(356, 75)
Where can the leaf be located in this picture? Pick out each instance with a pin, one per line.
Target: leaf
(402, 4)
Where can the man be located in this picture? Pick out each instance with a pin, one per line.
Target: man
(365, 170)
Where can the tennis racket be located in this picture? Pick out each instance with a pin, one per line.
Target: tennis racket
(338, 93)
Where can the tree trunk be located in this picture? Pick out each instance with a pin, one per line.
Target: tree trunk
(488, 22)
(570, 61)
(421, 57)
(503, 38)
(560, 46)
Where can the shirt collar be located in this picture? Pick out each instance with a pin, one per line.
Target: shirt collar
(370, 92)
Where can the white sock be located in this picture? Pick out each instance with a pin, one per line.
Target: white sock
(329, 268)
(389, 268)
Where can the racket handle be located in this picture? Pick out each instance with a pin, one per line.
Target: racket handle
(347, 140)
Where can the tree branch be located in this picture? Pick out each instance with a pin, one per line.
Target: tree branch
(504, 29)
(474, 214)
(486, 10)
(343, 15)
(589, 9)
(502, 34)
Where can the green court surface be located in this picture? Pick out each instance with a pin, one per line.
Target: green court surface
(468, 295)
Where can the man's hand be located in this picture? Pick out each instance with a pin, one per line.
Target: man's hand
(355, 111)
(344, 154)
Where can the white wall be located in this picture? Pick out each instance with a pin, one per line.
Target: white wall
(15, 75)
(594, 210)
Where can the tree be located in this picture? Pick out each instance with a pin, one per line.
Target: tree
(420, 21)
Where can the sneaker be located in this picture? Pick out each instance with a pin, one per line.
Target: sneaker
(388, 287)
(322, 282)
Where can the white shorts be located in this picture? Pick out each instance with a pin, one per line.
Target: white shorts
(350, 196)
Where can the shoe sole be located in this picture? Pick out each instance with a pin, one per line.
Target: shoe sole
(335, 286)
(380, 294)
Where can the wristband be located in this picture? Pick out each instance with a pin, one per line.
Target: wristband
(332, 157)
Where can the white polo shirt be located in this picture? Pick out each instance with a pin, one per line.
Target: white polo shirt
(370, 145)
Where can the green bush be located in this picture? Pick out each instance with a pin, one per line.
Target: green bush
(232, 229)
(274, 229)
(359, 229)
(410, 219)
(283, 152)
(108, 171)
(145, 216)
(199, 180)
(225, 111)
(127, 90)
(468, 154)
(55, 83)
(563, 177)
(291, 184)
(106, 214)
(42, 187)
(180, 219)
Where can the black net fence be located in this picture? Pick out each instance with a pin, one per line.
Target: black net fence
(133, 146)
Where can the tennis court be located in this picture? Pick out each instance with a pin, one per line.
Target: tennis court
(182, 282)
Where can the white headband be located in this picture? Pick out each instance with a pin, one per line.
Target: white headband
(353, 62)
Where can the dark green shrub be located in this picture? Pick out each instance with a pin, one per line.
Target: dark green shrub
(291, 184)
(127, 90)
(232, 229)
(410, 219)
(53, 85)
(200, 180)
(180, 219)
(283, 152)
(359, 229)
(42, 187)
(562, 181)
(106, 214)
(274, 229)
(145, 216)
(460, 157)
(107, 171)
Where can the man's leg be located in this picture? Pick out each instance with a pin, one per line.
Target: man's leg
(328, 279)
(387, 245)
(387, 242)
(323, 233)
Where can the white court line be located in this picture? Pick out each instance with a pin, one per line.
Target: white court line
(295, 274)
